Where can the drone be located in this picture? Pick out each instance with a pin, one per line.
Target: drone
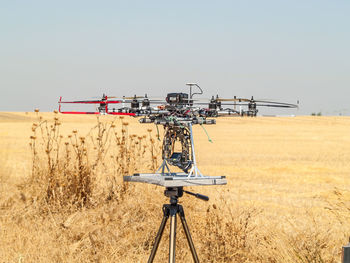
(177, 113)
(143, 106)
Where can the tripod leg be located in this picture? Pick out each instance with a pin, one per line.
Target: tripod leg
(160, 233)
(188, 234)
(172, 238)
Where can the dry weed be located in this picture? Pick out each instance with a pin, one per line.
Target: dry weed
(75, 208)
(72, 171)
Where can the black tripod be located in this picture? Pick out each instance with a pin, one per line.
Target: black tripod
(172, 210)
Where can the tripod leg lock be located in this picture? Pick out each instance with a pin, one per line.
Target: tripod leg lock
(166, 210)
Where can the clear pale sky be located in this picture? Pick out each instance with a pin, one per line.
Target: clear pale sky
(282, 50)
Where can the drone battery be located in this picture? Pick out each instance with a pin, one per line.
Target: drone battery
(176, 98)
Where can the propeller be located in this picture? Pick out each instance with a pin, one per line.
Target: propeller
(263, 105)
(127, 98)
(274, 102)
(282, 105)
(252, 100)
(89, 101)
(234, 99)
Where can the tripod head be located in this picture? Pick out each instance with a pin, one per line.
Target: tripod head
(176, 192)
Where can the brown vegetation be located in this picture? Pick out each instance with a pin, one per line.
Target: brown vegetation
(286, 201)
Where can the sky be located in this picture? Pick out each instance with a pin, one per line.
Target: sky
(280, 50)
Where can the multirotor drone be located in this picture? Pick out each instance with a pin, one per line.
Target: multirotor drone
(177, 113)
(144, 106)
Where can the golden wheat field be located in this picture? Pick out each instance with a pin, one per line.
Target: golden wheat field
(62, 198)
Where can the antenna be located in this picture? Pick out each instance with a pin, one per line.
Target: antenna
(196, 85)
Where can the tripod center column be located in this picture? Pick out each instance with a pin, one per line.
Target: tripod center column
(172, 238)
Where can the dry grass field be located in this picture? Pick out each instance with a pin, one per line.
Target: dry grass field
(62, 199)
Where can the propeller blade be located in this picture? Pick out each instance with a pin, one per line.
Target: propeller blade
(151, 101)
(134, 97)
(235, 99)
(137, 97)
(277, 106)
(273, 102)
(84, 101)
(258, 105)
(112, 101)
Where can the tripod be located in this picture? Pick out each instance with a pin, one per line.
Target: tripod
(171, 210)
